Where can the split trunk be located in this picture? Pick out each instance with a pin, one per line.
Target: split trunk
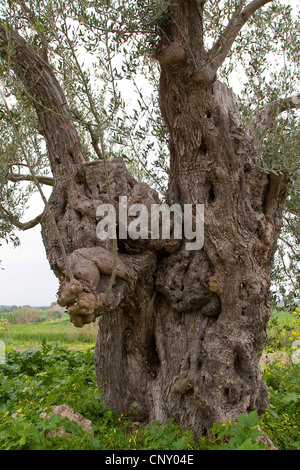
(181, 333)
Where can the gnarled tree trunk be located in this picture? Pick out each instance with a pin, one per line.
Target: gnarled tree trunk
(181, 333)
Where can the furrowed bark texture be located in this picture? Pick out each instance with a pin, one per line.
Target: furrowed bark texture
(192, 350)
(182, 331)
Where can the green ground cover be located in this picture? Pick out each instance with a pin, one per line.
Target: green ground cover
(58, 369)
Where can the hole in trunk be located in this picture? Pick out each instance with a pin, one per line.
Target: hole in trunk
(203, 147)
(238, 365)
(79, 215)
(211, 193)
(153, 358)
(258, 232)
(71, 155)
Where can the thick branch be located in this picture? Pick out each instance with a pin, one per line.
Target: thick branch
(34, 22)
(221, 48)
(221, 41)
(21, 225)
(266, 116)
(234, 27)
(16, 177)
(42, 88)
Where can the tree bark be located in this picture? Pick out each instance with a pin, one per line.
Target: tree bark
(182, 331)
(191, 348)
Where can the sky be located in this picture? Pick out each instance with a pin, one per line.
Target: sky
(26, 278)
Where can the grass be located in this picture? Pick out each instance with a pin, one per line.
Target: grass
(60, 331)
(34, 379)
(283, 316)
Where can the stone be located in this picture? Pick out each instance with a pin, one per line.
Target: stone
(66, 411)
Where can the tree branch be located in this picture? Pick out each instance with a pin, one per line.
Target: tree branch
(291, 247)
(21, 225)
(292, 229)
(16, 177)
(34, 22)
(48, 99)
(221, 41)
(265, 118)
(287, 271)
(267, 115)
(219, 51)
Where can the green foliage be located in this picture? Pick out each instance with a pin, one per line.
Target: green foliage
(34, 380)
(169, 437)
(102, 54)
(4, 324)
(24, 315)
(283, 330)
(281, 422)
(239, 435)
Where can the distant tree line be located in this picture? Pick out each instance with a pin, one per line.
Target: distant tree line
(11, 308)
(27, 314)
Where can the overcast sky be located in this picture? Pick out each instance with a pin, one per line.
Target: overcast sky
(27, 278)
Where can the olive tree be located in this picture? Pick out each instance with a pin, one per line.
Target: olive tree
(180, 330)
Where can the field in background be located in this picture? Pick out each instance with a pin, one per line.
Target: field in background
(28, 326)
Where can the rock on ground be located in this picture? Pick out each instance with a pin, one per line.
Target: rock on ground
(66, 411)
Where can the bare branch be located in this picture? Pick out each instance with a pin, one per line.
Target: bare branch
(295, 233)
(219, 51)
(291, 247)
(266, 116)
(21, 225)
(16, 177)
(234, 27)
(287, 271)
(227, 31)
